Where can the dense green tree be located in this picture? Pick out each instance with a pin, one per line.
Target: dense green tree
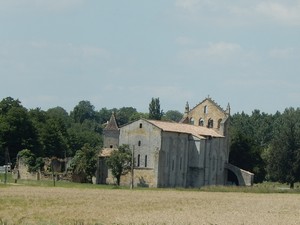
(137, 116)
(8, 103)
(60, 136)
(283, 156)
(173, 115)
(119, 162)
(83, 111)
(154, 109)
(55, 138)
(125, 114)
(16, 130)
(59, 114)
(34, 163)
(104, 115)
(39, 119)
(250, 136)
(85, 162)
(80, 134)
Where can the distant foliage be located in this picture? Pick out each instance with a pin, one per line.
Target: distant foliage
(83, 111)
(17, 131)
(267, 145)
(125, 115)
(155, 113)
(283, 155)
(34, 163)
(172, 115)
(119, 162)
(85, 162)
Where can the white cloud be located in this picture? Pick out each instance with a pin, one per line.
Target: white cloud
(85, 51)
(260, 81)
(222, 49)
(217, 52)
(192, 5)
(231, 13)
(289, 14)
(281, 53)
(45, 5)
(25, 58)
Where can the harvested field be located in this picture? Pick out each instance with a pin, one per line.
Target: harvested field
(48, 205)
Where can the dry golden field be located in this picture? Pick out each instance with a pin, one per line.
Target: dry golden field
(57, 205)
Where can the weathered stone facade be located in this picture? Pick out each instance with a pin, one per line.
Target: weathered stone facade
(179, 155)
(192, 153)
(58, 166)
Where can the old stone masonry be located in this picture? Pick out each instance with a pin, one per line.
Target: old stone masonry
(191, 153)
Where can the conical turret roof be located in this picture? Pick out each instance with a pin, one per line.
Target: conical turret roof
(112, 123)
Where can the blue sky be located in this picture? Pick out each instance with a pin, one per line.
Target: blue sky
(123, 53)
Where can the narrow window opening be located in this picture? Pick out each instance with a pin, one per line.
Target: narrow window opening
(219, 123)
(146, 160)
(192, 121)
(210, 123)
(141, 125)
(205, 109)
(201, 122)
(138, 160)
(139, 143)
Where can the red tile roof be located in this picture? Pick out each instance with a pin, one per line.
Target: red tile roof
(106, 152)
(198, 131)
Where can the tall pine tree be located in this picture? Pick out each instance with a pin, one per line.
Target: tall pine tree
(154, 109)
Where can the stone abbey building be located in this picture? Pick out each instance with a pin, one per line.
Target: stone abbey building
(191, 153)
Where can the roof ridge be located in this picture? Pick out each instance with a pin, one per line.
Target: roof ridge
(184, 128)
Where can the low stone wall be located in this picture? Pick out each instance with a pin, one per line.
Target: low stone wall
(143, 177)
(21, 170)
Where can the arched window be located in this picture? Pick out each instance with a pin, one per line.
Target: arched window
(210, 123)
(192, 121)
(219, 123)
(201, 122)
(205, 109)
(139, 143)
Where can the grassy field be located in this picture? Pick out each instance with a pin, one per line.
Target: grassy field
(77, 204)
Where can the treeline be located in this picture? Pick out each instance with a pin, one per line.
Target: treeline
(266, 144)
(57, 133)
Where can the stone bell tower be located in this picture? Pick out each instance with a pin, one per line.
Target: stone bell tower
(111, 133)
